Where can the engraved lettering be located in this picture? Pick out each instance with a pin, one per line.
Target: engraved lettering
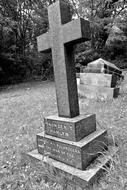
(59, 151)
(61, 129)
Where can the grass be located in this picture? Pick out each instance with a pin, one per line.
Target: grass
(22, 109)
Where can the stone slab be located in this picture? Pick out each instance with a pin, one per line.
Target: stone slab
(103, 64)
(76, 154)
(73, 175)
(73, 129)
(97, 92)
(98, 79)
(99, 70)
(78, 81)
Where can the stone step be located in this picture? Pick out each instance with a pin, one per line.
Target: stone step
(98, 79)
(74, 176)
(73, 129)
(97, 92)
(76, 154)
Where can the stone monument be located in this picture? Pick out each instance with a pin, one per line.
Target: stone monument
(102, 66)
(100, 79)
(71, 140)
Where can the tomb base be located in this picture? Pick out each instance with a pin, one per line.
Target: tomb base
(77, 154)
(103, 66)
(98, 79)
(97, 92)
(103, 71)
(74, 176)
(73, 129)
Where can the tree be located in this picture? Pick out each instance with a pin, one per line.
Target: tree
(102, 15)
(21, 21)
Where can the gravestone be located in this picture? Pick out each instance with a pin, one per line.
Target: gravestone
(98, 86)
(70, 140)
(100, 79)
(61, 38)
(98, 92)
(102, 66)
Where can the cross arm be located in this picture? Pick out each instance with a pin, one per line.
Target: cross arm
(44, 42)
(76, 31)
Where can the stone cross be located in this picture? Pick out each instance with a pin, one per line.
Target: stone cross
(63, 34)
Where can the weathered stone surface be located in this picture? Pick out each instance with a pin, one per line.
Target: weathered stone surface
(78, 81)
(76, 31)
(73, 129)
(95, 79)
(76, 154)
(97, 92)
(61, 38)
(73, 175)
(102, 66)
(44, 42)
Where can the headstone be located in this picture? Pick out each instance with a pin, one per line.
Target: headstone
(70, 140)
(98, 92)
(102, 66)
(100, 79)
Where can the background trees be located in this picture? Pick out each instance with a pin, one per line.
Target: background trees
(21, 21)
(108, 23)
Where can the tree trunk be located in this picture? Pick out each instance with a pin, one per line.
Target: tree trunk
(92, 25)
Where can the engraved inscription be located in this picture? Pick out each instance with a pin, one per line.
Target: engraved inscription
(60, 129)
(60, 151)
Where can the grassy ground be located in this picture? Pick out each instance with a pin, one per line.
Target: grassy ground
(22, 109)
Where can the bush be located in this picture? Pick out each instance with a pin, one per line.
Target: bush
(32, 66)
(116, 53)
(85, 57)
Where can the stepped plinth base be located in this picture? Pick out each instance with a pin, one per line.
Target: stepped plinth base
(98, 79)
(75, 176)
(97, 92)
(76, 154)
(73, 129)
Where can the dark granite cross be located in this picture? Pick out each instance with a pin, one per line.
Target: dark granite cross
(61, 37)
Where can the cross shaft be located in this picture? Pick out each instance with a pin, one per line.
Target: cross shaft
(61, 37)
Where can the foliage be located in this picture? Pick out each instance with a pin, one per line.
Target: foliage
(116, 46)
(21, 21)
(103, 16)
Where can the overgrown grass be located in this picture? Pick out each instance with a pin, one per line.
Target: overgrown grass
(22, 109)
